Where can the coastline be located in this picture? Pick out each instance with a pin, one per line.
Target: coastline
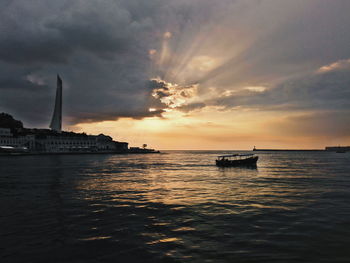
(78, 153)
(289, 150)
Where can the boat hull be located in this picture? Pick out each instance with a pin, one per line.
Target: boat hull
(248, 162)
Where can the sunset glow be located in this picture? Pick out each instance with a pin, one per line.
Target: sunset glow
(185, 74)
(211, 100)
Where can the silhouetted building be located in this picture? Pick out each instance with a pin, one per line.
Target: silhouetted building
(14, 135)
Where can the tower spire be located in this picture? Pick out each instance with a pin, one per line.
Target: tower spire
(56, 122)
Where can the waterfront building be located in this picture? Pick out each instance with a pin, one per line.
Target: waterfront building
(5, 132)
(54, 140)
(46, 141)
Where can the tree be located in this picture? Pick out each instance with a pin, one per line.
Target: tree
(7, 121)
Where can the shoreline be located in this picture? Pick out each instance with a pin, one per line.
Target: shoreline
(289, 150)
(75, 153)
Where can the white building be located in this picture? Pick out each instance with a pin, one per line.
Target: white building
(63, 142)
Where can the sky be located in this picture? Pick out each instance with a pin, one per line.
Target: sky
(182, 74)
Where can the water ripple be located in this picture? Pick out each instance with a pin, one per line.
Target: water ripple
(175, 207)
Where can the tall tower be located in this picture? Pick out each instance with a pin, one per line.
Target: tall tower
(56, 122)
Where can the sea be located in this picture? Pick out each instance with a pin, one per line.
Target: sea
(176, 206)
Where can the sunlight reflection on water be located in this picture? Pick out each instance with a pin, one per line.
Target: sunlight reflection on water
(176, 206)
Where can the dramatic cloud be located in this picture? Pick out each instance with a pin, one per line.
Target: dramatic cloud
(172, 95)
(138, 59)
(327, 91)
(98, 47)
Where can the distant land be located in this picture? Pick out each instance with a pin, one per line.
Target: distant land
(16, 139)
(327, 148)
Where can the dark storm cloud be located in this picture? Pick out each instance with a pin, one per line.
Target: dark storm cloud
(100, 49)
(110, 116)
(8, 83)
(103, 29)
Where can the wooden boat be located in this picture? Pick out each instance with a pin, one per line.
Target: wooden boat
(234, 160)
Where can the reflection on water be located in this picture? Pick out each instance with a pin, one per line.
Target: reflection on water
(175, 207)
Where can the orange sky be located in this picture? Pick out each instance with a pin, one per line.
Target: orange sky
(214, 130)
(182, 74)
(238, 109)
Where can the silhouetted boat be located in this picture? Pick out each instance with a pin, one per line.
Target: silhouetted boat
(234, 160)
